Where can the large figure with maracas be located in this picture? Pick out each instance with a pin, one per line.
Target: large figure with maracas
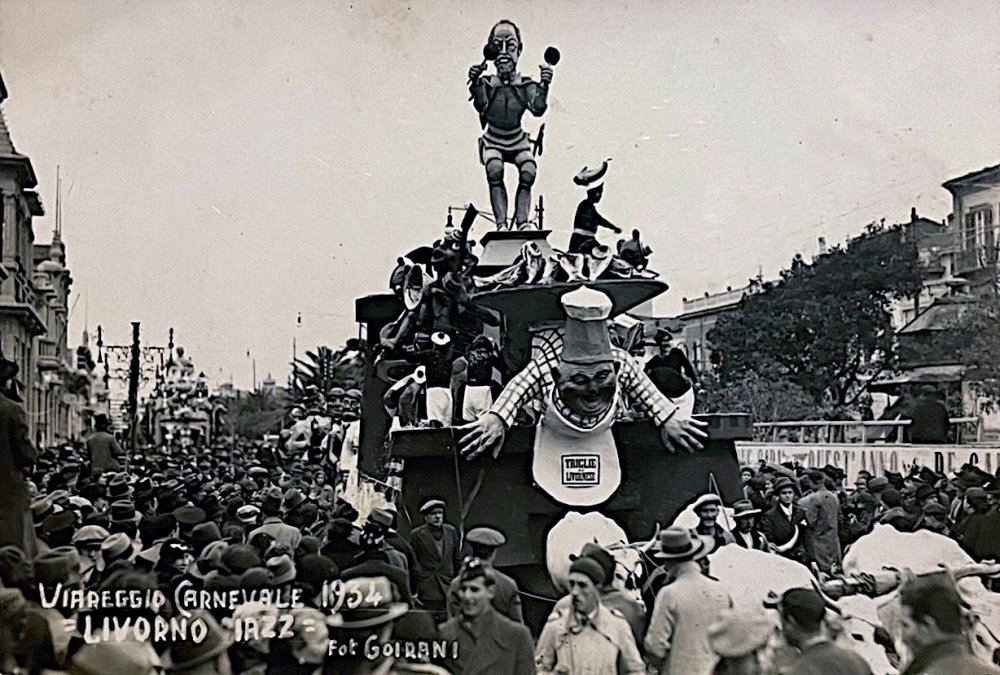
(501, 101)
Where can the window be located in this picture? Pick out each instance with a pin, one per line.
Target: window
(978, 228)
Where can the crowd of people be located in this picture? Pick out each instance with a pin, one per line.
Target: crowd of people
(811, 515)
(298, 582)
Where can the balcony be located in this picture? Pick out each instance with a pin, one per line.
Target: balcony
(976, 258)
(48, 355)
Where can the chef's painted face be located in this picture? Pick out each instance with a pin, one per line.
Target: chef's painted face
(586, 389)
(504, 36)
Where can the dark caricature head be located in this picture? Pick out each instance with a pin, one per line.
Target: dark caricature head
(586, 388)
(506, 36)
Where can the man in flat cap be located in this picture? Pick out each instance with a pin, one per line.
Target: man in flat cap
(488, 643)
(483, 543)
(633, 610)
(439, 556)
(589, 637)
(583, 387)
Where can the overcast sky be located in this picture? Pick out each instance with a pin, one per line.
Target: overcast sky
(228, 165)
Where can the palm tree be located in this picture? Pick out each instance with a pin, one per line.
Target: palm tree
(326, 369)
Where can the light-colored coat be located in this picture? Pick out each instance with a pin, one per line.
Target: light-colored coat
(678, 627)
(604, 647)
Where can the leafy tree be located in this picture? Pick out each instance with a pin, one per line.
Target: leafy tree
(256, 413)
(823, 326)
(978, 345)
(766, 400)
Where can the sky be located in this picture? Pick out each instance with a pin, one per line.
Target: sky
(229, 165)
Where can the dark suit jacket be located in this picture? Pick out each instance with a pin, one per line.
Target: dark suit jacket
(506, 599)
(16, 455)
(494, 646)
(828, 659)
(104, 451)
(435, 569)
(779, 530)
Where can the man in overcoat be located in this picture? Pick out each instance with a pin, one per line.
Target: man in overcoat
(438, 552)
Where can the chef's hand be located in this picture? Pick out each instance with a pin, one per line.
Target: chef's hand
(683, 434)
(486, 434)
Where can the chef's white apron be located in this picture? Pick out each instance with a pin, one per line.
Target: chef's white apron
(575, 466)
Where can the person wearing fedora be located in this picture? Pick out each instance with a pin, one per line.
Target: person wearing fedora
(677, 639)
(588, 637)
(488, 643)
(437, 548)
(483, 543)
(208, 656)
(746, 533)
(738, 638)
(781, 522)
(17, 455)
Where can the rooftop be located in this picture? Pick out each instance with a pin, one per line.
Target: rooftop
(970, 178)
(942, 314)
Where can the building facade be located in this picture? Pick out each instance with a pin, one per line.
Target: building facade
(34, 294)
(975, 221)
(699, 317)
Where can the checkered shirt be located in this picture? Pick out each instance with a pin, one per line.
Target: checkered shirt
(532, 386)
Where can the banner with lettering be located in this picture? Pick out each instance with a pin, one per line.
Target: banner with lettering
(876, 458)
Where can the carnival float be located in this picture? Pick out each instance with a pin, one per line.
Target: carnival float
(497, 379)
(180, 409)
(502, 377)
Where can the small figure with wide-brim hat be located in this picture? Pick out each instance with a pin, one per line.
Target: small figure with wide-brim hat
(587, 219)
